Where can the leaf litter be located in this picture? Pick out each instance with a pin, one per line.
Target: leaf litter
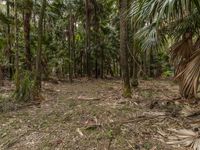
(93, 115)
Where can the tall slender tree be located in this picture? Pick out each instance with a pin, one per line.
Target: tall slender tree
(123, 5)
(1, 75)
(17, 72)
(28, 4)
(8, 49)
(88, 16)
(39, 49)
(70, 40)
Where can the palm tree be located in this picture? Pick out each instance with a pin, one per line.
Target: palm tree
(175, 23)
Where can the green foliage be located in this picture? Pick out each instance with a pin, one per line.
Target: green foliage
(3, 18)
(127, 93)
(66, 50)
(26, 89)
(172, 24)
(167, 73)
(163, 62)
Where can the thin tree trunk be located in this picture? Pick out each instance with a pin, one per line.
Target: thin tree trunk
(96, 39)
(134, 79)
(74, 44)
(82, 62)
(96, 68)
(144, 57)
(17, 76)
(27, 26)
(123, 48)
(1, 75)
(117, 68)
(87, 9)
(102, 64)
(9, 51)
(34, 14)
(114, 67)
(130, 42)
(70, 47)
(96, 55)
(151, 63)
(39, 50)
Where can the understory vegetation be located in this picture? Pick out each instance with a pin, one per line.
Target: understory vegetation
(99, 74)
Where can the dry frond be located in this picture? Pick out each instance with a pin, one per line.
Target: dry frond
(186, 138)
(189, 77)
(180, 54)
(186, 58)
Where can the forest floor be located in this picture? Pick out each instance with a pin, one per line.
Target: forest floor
(92, 115)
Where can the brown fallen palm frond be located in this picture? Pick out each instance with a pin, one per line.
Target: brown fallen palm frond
(181, 137)
(186, 138)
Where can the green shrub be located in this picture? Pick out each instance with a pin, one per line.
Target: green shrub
(167, 73)
(26, 88)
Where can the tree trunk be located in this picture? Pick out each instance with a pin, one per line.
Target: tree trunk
(96, 40)
(27, 18)
(34, 14)
(39, 50)
(74, 44)
(123, 48)
(144, 64)
(70, 47)
(102, 64)
(82, 62)
(1, 75)
(134, 79)
(8, 50)
(87, 9)
(17, 76)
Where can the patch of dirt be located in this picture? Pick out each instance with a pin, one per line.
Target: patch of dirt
(92, 115)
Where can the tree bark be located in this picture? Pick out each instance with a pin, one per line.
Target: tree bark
(17, 72)
(70, 47)
(39, 50)
(123, 48)
(8, 49)
(87, 9)
(1, 75)
(102, 64)
(74, 44)
(134, 79)
(27, 27)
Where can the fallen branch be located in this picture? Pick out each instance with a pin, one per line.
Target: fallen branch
(88, 98)
(138, 119)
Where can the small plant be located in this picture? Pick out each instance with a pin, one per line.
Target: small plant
(147, 146)
(167, 73)
(26, 88)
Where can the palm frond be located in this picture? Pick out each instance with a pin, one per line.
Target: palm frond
(184, 137)
(189, 76)
(162, 21)
(150, 38)
(181, 51)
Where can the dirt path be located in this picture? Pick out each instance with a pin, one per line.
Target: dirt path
(92, 115)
